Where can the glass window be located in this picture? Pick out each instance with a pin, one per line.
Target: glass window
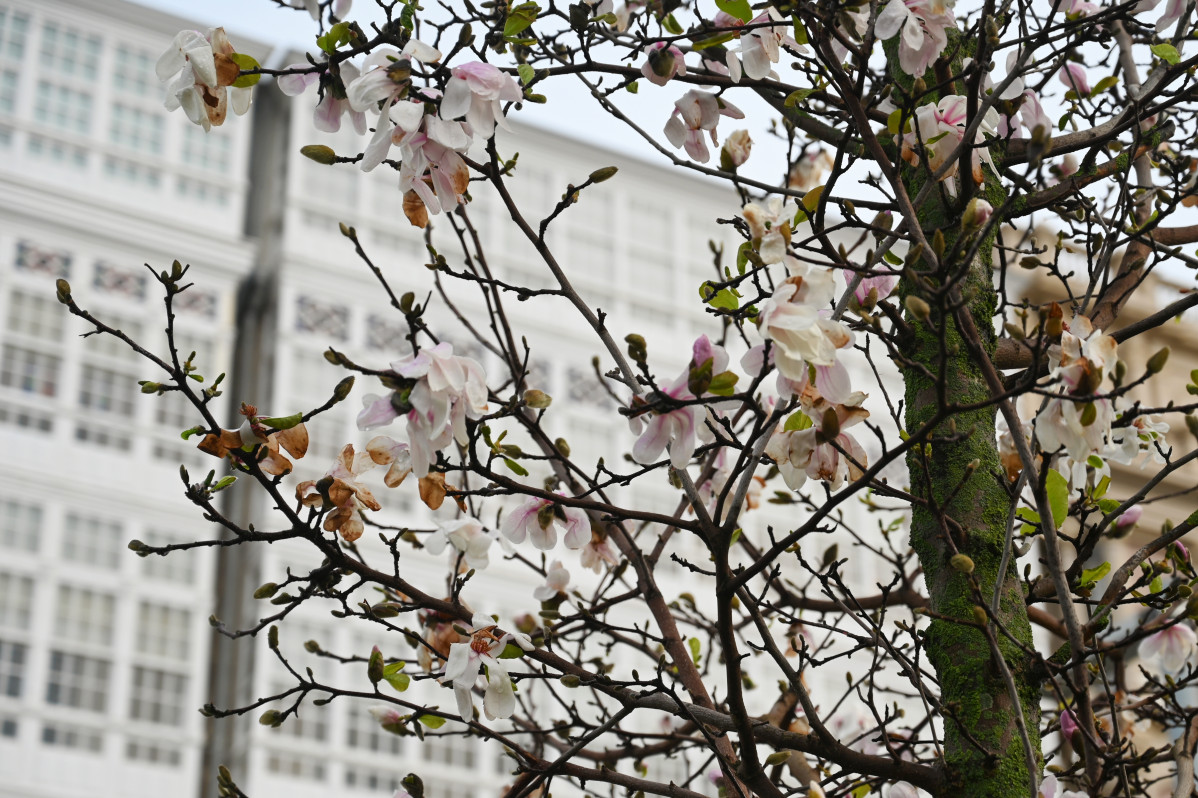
(136, 129)
(20, 525)
(14, 30)
(157, 696)
(8, 91)
(16, 599)
(163, 631)
(178, 566)
(72, 737)
(63, 108)
(29, 371)
(133, 72)
(153, 752)
(84, 616)
(13, 657)
(35, 316)
(78, 681)
(364, 733)
(208, 151)
(107, 391)
(70, 52)
(94, 541)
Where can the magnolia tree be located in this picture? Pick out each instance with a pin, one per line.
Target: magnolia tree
(1000, 654)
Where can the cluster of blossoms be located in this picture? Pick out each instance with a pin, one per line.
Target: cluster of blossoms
(431, 130)
(922, 26)
(340, 492)
(481, 654)
(677, 428)
(435, 391)
(936, 134)
(200, 72)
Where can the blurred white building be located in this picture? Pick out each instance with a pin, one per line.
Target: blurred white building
(104, 657)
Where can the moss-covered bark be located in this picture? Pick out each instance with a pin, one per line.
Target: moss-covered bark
(960, 475)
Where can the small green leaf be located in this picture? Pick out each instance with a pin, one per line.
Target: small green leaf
(399, 681)
(431, 721)
(797, 96)
(1109, 506)
(696, 649)
(1091, 576)
(712, 41)
(527, 73)
(246, 62)
(777, 758)
(515, 467)
(1167, 53)
(187, 433)
(511, 651)
(1058, 496)
(1029, 515)
(798, 421)
(283, 422)
(737, 9)
(723, 384)
(861, 791)
(892, 259)
(671, 25)
(724, 298)
(1109, 82)
(1156, 585)
(520, 18)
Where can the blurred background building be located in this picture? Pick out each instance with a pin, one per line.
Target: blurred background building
(105, 657)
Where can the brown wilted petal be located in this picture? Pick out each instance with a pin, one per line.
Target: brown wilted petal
(432, 490)
(227, 70)
(294, 440)
(413, 208)
(219, 445)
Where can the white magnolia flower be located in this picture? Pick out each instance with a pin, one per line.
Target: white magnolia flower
(696, 112)
(199, 73)
(1171, 647)
(539, 520)
(467, 536)
(556, 580)
(481, 652)
(478, 91)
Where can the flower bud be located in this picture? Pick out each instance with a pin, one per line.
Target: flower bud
(1156, 363)
(962, 563)
(374, 666)
(606, 173)
(320, 153)
(736, 150)
(977, 213)
(538, 400)
(918, 309)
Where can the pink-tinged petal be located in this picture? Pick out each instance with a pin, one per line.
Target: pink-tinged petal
(891, 18)
(377, 411)
(368, 90)
(682, 443)
(832, 382)
(652, 442)
(543, 538)
(456, 101)
(447, 134)
(696, 147)
(578, 528)
(1074, 77)
(675, 131)
(295, 85)
(327, 116)
(380, 144)
(515, 525)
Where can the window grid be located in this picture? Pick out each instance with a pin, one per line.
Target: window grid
(84, 616)
(163, 631)
(62, 107)
(133, 72)
(106, 391)
(296, 767)
(209, 151)
(35, 316)
(201, 191)
(364, 733)
(132, 172)
(96, 542)
(71, 737)
(136, 129)
(20, 525)
(58, 152)
(177, 567)
(157, 696)
(70, 52)
(8, 91)
(13, 658)
(14, 30)
(29, 371)
(16, 600)
(153, 753)
(78, 681)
